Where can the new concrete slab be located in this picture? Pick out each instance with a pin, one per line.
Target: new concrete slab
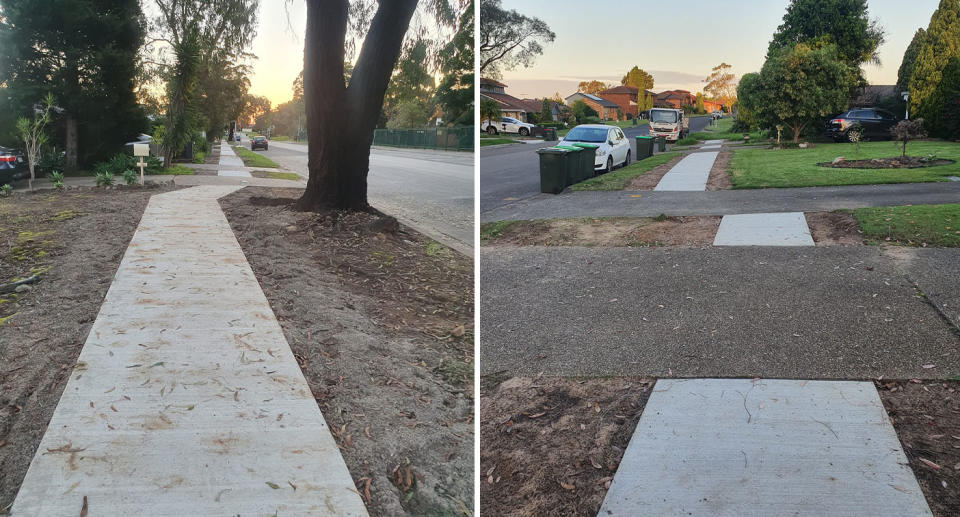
(713, 142)
(186, 398)
(690, 174)
(741, 447)
(779, 229)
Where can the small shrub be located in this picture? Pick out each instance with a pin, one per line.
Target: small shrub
(907, 130)
(154, 165)
(5, 190)
(199, 157)
(104, 178)
(130, 177)
(591, 120)
(56, 179)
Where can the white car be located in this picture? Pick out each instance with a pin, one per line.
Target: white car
(614, 148)
(507, 125)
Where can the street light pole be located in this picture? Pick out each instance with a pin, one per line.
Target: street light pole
(906, 98)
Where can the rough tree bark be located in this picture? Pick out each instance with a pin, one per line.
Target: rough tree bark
(341, 118)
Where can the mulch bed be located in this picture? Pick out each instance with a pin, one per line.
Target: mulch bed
(381, 322)
(926, 415)
(550, 446)
(834, 229)
(719, 178)
(75, 241)
(910, 162)
(611, 232)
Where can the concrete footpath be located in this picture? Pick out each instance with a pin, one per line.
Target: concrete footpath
(186, 398)
(742, 447)
(230, 163)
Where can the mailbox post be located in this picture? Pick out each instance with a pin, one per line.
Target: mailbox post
(141, 150)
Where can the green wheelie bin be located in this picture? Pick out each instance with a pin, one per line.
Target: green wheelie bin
(644, 147)
(587, 159)
(554, 169)
(661, 144)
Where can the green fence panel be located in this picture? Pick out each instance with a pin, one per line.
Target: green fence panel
(443, 138)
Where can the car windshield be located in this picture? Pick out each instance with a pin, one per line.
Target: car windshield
(587, 134)
(669, 117)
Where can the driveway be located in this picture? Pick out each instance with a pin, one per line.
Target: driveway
(832, 312)
(431, 191)
(512, 173)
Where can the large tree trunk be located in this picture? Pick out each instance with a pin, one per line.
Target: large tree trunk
(71, 144)
(341, 119)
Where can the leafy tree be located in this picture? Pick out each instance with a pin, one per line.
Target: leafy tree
(84, 52)
(644, 101)
(946, 123)
(254, 107)
(32, 133)
(699, 104)
(411, 86)
(197, 30)
(638, 79)
(592, 87)
(939, 46)
(844, 23)
(509, 39)
(489, 110)
(909, 61)
(749, 100)
(581, 110)
(222, 90)
(455, 91)
(721, 84)
(546, 113)
(798, 86)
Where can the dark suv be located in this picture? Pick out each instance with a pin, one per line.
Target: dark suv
(12, 165)
(258, 142)
(876, 123)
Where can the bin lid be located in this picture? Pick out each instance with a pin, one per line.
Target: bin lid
(586, 146)
(644, 137)
(569, 148)
(552, 150)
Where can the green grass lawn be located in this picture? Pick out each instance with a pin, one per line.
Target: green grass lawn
(722, 131)
(762, 168)
(485, 141)
(933, 225)
(620, 178)
(252, 159)
(176, 170)
(277, 175)
(624, 124)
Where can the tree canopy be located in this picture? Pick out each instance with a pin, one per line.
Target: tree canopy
(937, 47)
(593, 87)
(638, 79)
(844, 23)
(509, 39)
(721, 84)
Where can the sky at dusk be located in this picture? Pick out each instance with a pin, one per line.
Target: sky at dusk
(602, 40)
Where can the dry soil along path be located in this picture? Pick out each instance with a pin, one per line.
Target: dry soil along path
(186, 398)
(817, 312)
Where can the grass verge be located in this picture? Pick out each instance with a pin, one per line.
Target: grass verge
(252, 159)
(276, 175)
(764, 168)
(493, 230)
(918, 225)
(496, 141)
(620, 178)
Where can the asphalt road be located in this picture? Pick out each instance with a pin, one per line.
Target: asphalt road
(431, 191)
(512, 173)
(830, 312)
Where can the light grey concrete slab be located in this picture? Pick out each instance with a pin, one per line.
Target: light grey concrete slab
(953, 178)
(690, 174)
(234, 173)
(186, 398)
(711, 147)
(713, 142)
(741, 447)
(779, 229)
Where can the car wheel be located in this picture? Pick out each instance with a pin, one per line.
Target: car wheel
(609, 165)
(626, 161)
(491, 130)
(524, 131)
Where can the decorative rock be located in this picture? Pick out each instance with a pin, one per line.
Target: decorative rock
(24, 288)
(838, 160)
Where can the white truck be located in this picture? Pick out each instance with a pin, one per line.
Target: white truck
(669, 123)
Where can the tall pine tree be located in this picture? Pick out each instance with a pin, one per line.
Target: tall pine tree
(940, 45)
(910, 60)
(84, 52)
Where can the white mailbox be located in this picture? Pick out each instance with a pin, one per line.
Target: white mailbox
(141, 149)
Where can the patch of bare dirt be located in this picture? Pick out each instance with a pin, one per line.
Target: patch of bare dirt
(926, 416)
(649, 179)
(909, 162)
(834, 229)
(720, 172)
(550, 446)
(611, 232)
(74, 241)
(381, 323)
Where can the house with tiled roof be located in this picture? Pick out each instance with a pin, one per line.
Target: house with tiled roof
(623, 96)
(675, 99)
(605, 109)
(510, 106)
